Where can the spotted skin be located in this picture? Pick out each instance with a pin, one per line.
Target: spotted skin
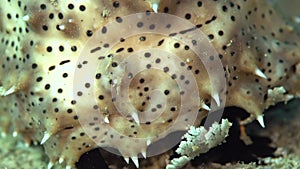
(158, 80)
(252, 43)
(41, 41)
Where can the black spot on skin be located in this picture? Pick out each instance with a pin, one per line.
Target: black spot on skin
(119, 50)
(176, 45)
(34, 66)
(89, 33)
(116, 4)
(82, 8)
(119, 19)
(142, 38)
(199, 4)
(63, 62)
(147, 54)
(160, 42)
(166, 9)
(104, 30)
(95, 49)
(188, 16)
(129, 50)
(71, 6)
(140, 24)
(152, 26)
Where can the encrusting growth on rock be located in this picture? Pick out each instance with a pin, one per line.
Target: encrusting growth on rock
(41, 48)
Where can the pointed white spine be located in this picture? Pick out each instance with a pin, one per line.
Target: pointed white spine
(135, 117)
(106, 114)
(260, 120)
(45, 138)
(61, 27)
(15, 134)
(106, 120)
(126, 159)
(148, 142)
(155, 7)
(50, 165)
(26, 18)
(10, 91)
(217, 99)
(144, 154)
(60, 160)
(135, 161)
(205, 107)
(259, 73)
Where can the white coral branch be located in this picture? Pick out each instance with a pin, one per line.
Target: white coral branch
(199, 140)
(278, 94)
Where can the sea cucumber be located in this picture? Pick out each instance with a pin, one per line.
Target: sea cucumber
(41, 42)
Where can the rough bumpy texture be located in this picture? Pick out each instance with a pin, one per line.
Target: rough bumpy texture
(41, 42)
(258, 50)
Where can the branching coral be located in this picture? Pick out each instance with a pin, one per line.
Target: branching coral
(198, 141)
